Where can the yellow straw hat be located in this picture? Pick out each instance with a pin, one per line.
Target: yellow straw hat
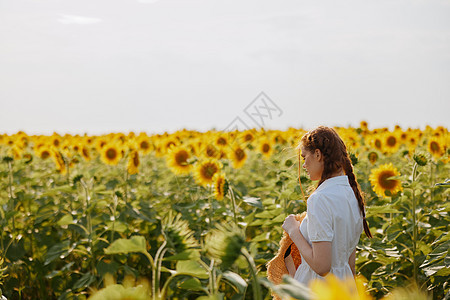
(276, 267)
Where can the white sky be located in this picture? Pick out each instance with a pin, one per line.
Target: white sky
(98, 66)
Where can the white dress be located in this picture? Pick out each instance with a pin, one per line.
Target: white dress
(332, 215)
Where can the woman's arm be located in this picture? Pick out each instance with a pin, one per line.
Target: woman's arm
(351, 262)
(318, 256)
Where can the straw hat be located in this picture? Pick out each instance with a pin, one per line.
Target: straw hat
(276, 267)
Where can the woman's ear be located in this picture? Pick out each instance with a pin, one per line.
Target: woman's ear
(318, 155)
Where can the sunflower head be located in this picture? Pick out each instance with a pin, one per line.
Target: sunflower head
(178, 160)
(435, 147)
(220, 186)
(265, 148)
(420, 159)
(177, 233)
(133, 162)
(332, 287)
(382, 182)
(225, 243)
(373, 157)
(205, 171)
(111, 153)
(238, 156)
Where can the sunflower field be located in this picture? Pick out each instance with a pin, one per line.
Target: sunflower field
(197, 215)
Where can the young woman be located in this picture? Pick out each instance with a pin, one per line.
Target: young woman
(328, 235)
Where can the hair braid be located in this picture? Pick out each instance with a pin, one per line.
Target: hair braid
(348, 169)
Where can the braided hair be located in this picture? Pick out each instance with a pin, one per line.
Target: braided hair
(336, 158)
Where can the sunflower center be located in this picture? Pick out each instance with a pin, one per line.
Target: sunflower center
(378, 144)
(434, 147)
(248, 137)
(144, 145)
(219, 186)
(391, 141)
(85, 152)
(181, 157)
(210, 151)
(111, 153)
(136, 159)
(265, 148)
(239, 153)
(221, 141)
(169, 144)
(45, 154)
(209, 170)
(385, 183)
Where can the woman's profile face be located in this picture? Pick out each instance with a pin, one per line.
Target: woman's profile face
(313, 163)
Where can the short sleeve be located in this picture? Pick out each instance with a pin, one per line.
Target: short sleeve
(320, 219)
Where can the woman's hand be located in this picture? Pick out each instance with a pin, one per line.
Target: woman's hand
(290, 224)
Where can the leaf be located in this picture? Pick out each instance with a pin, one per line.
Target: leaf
(211, 297)
(192, 268)
(190, 254)
(84, 281)
(237, 281)
(289, 288)
(262, 237)
(270, 214)
(277, 219)
(253, 201)
(105, 267)
(375, 210)
(65, 220)
(192, 284)
(56, 251)
(123, 246)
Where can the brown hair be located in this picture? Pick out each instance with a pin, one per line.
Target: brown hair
(336, 158)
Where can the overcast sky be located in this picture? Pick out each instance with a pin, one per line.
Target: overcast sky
(98, 66)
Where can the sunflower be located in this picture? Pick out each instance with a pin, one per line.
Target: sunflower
(130, 289)
(247, 137)
(373, 157)
(178, 235)
(376, 142)
(144, 144)
(84, 151)
(111, 154)
(363, 125)
(435, 147)
(225, 243)
(332, 287)
(221, 140)
(237, 156)
(59, 161)
(391, 143)
(220, 186)
(205, 171)
(209, 151)
(177, 160)
(133, 162)
(379, 178)
(265, 148)
(44, 152)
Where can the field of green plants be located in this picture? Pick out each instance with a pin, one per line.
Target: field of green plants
(197, 215)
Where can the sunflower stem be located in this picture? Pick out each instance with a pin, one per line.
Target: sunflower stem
(126, 187)
(66, 162)
(157, 269)
(11, 196)
(257, 294)
(233, 201)
(414, 222)
(211, 208)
